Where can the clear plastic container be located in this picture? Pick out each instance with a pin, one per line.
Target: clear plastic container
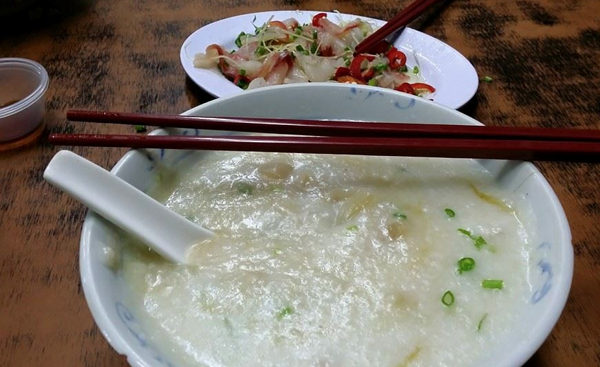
(23, 84)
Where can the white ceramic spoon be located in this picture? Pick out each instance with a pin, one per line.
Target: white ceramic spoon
(165, 231)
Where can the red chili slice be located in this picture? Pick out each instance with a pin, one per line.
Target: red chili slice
(368, 74)
(424, 87)
(406, 88)
(397, 58)
(341, 71)
(355, 66)
(317, 18)
(326, 51)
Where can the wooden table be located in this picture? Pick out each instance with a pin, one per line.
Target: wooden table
(543, 56)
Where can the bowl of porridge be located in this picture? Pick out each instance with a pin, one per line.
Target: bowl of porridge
(333, 260)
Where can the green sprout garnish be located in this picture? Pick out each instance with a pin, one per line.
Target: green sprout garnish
(261, 50)
(448, 299)
(313, 48)
(140, 128)
(492, 284)
(450, 212)
(416, 70)
(373, 82)
(487, 79)
(465, 264)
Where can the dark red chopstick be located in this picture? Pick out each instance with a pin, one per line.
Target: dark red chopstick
(402, 19)
(449, 148)
(337, 128)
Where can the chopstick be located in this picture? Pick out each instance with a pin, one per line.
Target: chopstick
(422, 147)
(336, 128)
(347, 137)
(402, 19)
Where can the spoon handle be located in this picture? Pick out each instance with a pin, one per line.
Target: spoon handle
(165, 231)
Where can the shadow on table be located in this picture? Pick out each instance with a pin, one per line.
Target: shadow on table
(534, 361)
(196, 95)
(470, 108)
(22, 16)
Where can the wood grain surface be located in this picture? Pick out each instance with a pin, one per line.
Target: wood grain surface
(543, 56)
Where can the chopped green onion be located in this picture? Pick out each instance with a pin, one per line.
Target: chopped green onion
(465, 264)
(404, 69)
(479, 242)
(299, 48)
(140, 128)
(492, 284)
(277, 251)
(399, 215)
(487, 79)
(286, 311)
(353, 228)
(481, 322)
(450, 212)
(448, 299)
(380, 67)
(242, 72)
(313, 48)
(238, 40)
(465, 232)
(244, 188)
(416, 70)
(242, 84)
(373, 82)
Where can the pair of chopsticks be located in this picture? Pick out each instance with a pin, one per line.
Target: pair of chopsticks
(400, 21)
(346, 137)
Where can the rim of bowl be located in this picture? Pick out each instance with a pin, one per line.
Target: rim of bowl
(518, 357)
(34, 96)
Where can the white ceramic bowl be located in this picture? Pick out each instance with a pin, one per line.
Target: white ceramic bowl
(551, 258)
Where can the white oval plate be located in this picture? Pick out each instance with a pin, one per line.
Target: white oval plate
(441, 66)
